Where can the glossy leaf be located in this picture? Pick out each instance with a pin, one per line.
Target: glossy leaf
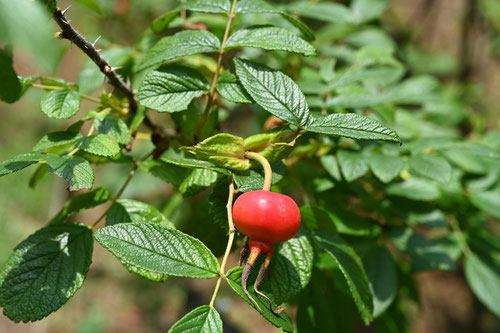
(10, 87)
(281, 320)
(171, 88)
(352, 125)
(274, 92)
(61, 103)
(44, 271)
(385, 167)
(270, 38)
(82, 202)
(487, 201)
(291, 268)
(206, 6)
(158, 249)
(196, 181)
(181, 44)
(57, 139)
(352, 269)
(430, 166)
(113, 127)
(484, 282)
(352, 164)
(231, 89)
(99, 144)
(415, 189)
(203, 319)
(381, 273)
(76, 170)
(132, 211)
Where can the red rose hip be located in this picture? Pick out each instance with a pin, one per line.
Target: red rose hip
(266, 216)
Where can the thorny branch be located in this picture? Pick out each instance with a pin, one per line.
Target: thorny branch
(69, 33)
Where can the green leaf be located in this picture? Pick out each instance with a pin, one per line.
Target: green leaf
(316, 218)
(281, 320)
(171, 88)
(224, 150)
(114, 127)
(254, 6)
(203, 319)
(76, 170)
(181, 44)
(231, 89)
(306, 31)
(322, 308)
(132, 211)
(158, 249)
(196, 181)
(82, 202)
(324, 11)
(385, 167)
(431, 166)
(61, 103)
(19, 162)
(352, 125)
(484, 282)
(381, 273)
(56, 139)
(44, 271)
(99, 144)
(439, 254)
(349, 223)
(10, 86)
(487, 201)
(329, 162)
(291, 267)
(415, 189)
(253, 180)
(352, 269)
(206, 6)
(274, 92)
(168, 173)
(367, 10)
(23, 23)
(352, 164)
(269, 38)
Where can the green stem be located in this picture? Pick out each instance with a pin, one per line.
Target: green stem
(232, 230)
(460, 236)
(268, 173)
(122, 189)
(43, 86)
(211, 94)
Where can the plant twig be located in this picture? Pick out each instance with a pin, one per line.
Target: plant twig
(230, 240)
(455, 227)
(211, 94)
(122, 189)
(69, 33)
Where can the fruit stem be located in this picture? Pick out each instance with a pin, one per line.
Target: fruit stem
(268, 172)
(230, 240)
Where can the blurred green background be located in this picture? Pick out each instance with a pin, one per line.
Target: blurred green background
(443, 34)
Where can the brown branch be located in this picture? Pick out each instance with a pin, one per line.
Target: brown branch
(68, 32)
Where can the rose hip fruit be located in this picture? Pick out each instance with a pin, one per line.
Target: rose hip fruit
(266, 218)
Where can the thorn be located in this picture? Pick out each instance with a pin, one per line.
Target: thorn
(95, 42)
(116, 68)
(64, 11)
(98, 50)
(71, 45)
